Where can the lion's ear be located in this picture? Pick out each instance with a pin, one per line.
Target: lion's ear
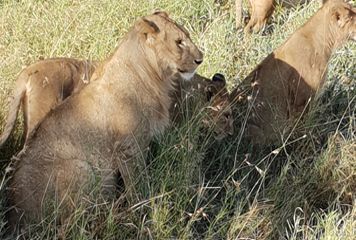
(161, 13)
(340, 15)
(219, 78)
(148, 28)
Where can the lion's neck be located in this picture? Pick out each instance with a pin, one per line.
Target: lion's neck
(309, 50)
(322, 33)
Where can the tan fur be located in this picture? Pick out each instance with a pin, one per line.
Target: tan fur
(105, 129)
(202, 92)
(42, 86)
(238, 12)
(283, 83)
(261, 11)
(45, 84)
(220, 115)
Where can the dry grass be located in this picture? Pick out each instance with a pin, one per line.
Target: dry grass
(200, 188)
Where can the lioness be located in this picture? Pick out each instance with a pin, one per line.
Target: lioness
(104, 129)
(45, 84)
(42, 86)
(285, 81)
(261, 11)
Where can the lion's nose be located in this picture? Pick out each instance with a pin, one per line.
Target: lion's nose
(198, 61)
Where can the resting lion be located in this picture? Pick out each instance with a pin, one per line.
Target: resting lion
(42, 86)
(45, 84)
(105, 129)
(261, 11)
(203, 92)
(282, 85)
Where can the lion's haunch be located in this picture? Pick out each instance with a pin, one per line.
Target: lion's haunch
(42, 86)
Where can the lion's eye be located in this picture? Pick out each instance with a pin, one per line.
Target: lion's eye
(180, 43)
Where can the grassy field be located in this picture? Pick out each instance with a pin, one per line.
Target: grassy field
(199, 188)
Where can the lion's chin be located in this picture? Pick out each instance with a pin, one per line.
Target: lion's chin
(187, 75)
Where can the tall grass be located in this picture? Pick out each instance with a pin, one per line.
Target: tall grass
(200, 188)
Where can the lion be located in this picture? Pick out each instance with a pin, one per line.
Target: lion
(43, 85)
(211, 94)
(280, 88)
(261, 11)
(105, 129)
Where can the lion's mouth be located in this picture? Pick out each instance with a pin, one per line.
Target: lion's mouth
(353, 36)
(186, 75)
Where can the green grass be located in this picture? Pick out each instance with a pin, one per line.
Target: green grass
(199, 188)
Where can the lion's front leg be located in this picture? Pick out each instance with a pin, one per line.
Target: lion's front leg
(132, 167)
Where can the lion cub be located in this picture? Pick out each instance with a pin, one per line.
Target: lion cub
(105, 129)
(207, 93)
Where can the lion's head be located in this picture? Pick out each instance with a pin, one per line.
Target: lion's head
(342, 20)
(172, 49)
(219, 114)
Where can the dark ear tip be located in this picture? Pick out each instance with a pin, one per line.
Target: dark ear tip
(218, 77)
(146, 26)
(160, 13)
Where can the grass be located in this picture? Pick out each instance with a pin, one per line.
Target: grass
(199, 188)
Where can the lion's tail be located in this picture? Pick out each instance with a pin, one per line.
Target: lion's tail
(18, 94)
